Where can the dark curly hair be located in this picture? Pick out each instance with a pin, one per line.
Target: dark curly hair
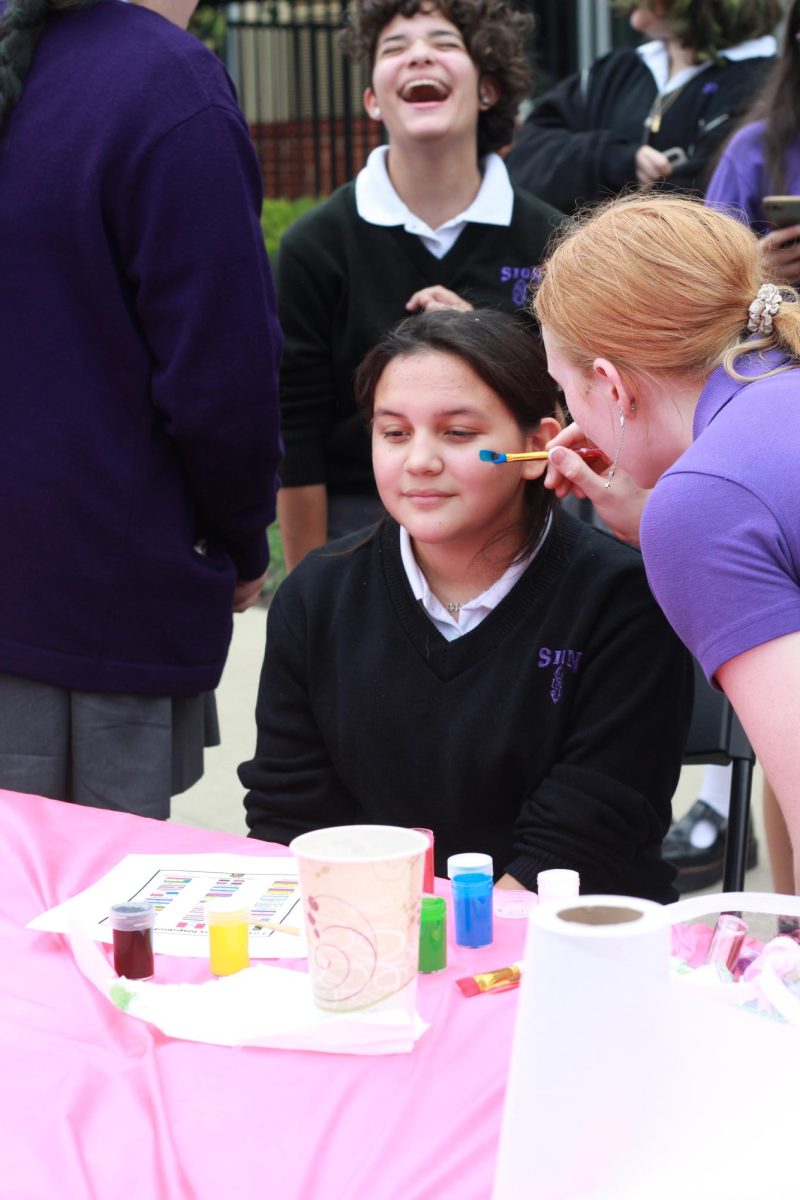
(21, 26)
(496, 37)
(708, 26)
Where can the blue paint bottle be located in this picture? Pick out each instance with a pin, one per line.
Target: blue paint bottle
(472, 907)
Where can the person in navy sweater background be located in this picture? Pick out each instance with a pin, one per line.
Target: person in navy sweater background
(139, 427)
(483, 664)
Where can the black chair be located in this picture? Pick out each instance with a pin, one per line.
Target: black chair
(716, 736)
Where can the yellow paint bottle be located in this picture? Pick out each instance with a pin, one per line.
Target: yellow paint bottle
(228, 923)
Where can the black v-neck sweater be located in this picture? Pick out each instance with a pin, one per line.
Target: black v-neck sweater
(549, 736)
(341, 284)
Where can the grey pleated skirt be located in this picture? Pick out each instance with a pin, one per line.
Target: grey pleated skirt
(125, 752)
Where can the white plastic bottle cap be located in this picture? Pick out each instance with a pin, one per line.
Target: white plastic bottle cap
(469, 864)
(557, 884)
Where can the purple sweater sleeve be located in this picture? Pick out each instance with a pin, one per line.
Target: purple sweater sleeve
(206, 305)
(739, 181)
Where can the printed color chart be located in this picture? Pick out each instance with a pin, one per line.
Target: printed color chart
(178, 888)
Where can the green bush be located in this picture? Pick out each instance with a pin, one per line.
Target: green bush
(277, 216)
(277, 566)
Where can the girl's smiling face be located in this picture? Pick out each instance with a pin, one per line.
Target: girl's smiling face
(424, 83)
(432, 415)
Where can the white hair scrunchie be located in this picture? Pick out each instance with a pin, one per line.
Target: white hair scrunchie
(764, 308)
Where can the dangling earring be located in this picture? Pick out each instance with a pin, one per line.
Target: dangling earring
(613, 468)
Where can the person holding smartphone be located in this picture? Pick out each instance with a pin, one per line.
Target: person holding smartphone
(758, 174)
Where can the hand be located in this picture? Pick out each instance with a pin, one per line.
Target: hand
(620, 506)
(430, 299)
(781, 251)
(507, 883)
(247, 592)
(651, 166)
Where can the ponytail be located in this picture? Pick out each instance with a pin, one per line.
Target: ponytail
(662, 286)
(21, 26)
(784, 335)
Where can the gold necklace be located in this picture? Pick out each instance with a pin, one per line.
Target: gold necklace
(661, 104)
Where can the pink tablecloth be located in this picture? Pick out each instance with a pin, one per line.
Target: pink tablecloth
(96, 1105)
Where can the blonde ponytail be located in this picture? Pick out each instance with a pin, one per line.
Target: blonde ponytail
(660, 286)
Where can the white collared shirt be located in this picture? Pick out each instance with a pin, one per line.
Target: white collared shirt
(378, 203)
(655, 57)
(470, 615)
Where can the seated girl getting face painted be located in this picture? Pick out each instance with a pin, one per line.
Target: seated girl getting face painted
(480, 664)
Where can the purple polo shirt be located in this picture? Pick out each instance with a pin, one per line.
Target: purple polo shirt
(721, 532)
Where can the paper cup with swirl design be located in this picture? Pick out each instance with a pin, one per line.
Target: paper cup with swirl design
(362, 893)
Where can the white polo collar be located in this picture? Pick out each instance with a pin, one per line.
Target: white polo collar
(475, 610)
(378, 203)
(655, 58)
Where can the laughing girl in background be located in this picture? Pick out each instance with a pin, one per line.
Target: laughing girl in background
(431, 221)
(482, 664)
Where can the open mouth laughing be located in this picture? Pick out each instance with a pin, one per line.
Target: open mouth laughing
(424, 91)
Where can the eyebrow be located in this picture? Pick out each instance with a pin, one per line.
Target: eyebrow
(461, 411)
(391, 38)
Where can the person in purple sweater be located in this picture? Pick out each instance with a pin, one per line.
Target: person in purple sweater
(139, 427)
(763, 158)
(683, 365)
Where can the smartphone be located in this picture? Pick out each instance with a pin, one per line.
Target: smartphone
(782, 210)
(676, 156)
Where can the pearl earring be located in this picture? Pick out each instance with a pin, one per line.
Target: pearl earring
(376, 112)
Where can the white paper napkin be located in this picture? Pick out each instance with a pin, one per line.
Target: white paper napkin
(260, 1006)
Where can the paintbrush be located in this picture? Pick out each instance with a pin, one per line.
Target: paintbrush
(292, 929)
(494, 456)
(501, 980)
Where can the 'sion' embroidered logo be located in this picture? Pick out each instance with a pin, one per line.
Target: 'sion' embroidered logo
(561, 660)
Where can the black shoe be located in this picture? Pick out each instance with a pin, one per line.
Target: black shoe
(701, 868)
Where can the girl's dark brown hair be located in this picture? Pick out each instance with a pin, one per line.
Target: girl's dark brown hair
(496, 36)
(21, 26)
(504, 352)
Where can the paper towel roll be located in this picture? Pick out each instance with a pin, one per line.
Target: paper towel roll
(587, 1051)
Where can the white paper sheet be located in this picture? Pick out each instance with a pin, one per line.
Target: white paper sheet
(177, 886)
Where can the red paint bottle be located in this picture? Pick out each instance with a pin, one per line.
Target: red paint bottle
(428, 875)
(133, 939)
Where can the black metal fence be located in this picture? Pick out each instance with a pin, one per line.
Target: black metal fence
(303, 99)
